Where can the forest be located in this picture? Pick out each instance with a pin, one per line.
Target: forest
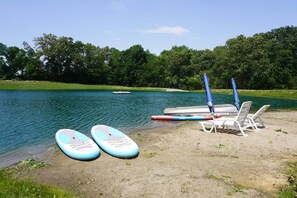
(262, 61)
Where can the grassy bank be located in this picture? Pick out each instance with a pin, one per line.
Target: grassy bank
(44, 85)
(12, 186)
(275, 93)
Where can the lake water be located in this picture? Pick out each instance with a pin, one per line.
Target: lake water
(30, 119)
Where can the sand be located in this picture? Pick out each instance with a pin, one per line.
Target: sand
(183, 161)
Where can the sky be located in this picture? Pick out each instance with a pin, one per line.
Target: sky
(156, 25)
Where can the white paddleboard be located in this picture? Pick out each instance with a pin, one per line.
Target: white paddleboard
(77, 145)
(114, 142)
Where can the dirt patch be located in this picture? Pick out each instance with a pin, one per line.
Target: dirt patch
(186, 162)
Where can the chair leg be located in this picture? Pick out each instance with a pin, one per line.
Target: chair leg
(241, 129)
(254, 125)
(243, 133)
(210, 130)
(262, 122)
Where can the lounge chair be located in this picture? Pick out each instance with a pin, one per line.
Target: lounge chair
(240, 122)
(256, 120)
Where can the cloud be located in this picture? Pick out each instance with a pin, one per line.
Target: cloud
(177, 30)
(121, 5)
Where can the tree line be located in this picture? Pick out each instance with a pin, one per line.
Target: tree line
(262, 61)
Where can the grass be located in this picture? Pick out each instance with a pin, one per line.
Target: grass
(275, 93)
(235, 187)
(12, 186)
(220, 146)
(290, 191)
(150, 154)
(24, 165)
(45, 85)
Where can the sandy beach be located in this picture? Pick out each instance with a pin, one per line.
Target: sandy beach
(183, 161)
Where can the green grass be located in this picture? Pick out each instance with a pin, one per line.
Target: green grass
(275, 93)
(12, 186)
(290, 191)
(45, 85)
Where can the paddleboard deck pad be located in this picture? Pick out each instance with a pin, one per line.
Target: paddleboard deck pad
(182, 118)
(77, 145)
(114, 142)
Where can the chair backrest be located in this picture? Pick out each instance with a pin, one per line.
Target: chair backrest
(260, 112)
(243, 112)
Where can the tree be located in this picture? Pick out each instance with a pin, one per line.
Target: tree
(133, 60)
(3, 65)
(95, 67)
(177, 66)
(13, 62)
(262, 61)
(152, 74)
(33, 68)
(116, 73)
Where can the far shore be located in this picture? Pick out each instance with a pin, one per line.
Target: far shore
(46, 85)
(183, 161)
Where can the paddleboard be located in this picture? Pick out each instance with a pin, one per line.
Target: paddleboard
(114, 142)
(77, 145)
(221, 109)
(182, 118)
(121, 92)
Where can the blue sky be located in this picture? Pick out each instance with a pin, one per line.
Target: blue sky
(157, 25)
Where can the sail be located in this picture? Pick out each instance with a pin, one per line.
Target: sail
(208, 94)
(235, 94)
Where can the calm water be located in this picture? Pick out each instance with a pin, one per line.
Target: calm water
(30, 119)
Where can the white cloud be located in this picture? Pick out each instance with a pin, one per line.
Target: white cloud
(177, 30)
(121, 5)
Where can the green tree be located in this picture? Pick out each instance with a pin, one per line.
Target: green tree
(33, 68)
(96, 68)
(13, 62)
(262, 61)
(3, 49)
(133, 60)
(152, 74)
(117, 72)
(177, 65)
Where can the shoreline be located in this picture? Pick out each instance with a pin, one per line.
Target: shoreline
(44, 150)
(38, 152)
(183, 161)
(48, 85)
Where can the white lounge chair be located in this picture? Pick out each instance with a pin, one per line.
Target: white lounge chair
(240, 122)
(255, 118)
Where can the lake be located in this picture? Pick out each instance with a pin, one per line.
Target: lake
(30, 119)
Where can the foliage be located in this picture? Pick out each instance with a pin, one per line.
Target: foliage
(262, 61)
